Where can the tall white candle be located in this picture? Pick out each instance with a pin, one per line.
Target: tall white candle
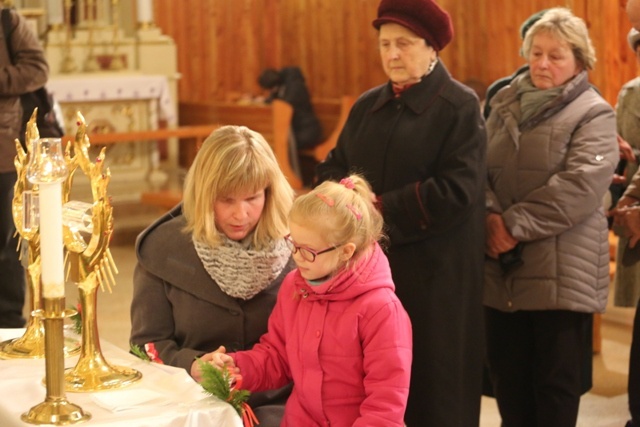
(55, 12)
(144, 11)
(51, 244)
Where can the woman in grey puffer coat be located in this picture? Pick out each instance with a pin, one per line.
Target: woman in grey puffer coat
(551, 155)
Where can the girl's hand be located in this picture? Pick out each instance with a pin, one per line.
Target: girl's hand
(217, 358)
(221, 360)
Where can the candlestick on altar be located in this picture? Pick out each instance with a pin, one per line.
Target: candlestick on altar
(144, 13)
(116, 59)
(91, 62)
(47, 169)
(68, 63)
(55, 13)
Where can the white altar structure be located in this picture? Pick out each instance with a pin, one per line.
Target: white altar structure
(109, 61)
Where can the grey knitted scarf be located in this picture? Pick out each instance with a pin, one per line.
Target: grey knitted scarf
(242, 272)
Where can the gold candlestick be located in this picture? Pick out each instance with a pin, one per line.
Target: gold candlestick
(91, 265)
(91, 62)
(55, 409)
(68, 63)
(47, 169)
(116, 63)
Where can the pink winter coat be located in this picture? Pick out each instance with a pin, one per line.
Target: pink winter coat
(345, 344)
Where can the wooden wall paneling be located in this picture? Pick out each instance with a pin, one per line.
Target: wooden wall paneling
(254, 54)
(199, 48)
(271, 35)
(315, 41)
(362, 68)
(224, 44)
(604, 23)
(212, 89)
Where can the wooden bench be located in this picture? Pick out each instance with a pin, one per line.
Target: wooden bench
(320, 152)
(273, 123)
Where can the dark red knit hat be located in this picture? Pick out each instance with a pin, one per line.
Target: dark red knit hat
(423, 17)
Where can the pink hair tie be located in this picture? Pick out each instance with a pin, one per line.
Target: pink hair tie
(348, 182)
(355, 212)
(328, 200)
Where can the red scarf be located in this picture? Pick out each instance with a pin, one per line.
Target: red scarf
(397, 89)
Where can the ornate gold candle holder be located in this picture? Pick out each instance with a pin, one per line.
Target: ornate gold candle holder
(90, 266)
(31, 344)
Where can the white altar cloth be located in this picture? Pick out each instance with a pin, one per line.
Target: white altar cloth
(164, 397)
(115, 86)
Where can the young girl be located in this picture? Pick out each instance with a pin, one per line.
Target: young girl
(338, 331)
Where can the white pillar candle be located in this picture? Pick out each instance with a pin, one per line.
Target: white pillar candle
(51, 243)
(55, 12)
(144, 11)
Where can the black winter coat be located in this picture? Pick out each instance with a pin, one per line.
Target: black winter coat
(424, 154)
(293, 90)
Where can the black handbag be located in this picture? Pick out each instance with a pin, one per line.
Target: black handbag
(48, 126)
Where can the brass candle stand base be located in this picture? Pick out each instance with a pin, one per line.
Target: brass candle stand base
(91, 64)
(55, 409)
(68, 65)
(95, 374)
(31, 344)
(116, 63)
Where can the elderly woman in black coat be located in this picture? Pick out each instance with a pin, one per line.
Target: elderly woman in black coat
(419, 140)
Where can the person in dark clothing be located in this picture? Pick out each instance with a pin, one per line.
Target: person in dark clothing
(419, 139)
(289, 85)
(27, 72)
(627, 222)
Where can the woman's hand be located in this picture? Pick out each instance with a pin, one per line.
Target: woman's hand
(217, 358)
(628, 218)
(626, 151)
(498, 238)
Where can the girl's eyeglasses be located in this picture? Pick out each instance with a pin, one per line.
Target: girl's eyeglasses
(307, 254)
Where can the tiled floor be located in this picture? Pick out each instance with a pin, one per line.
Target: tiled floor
(604, 406)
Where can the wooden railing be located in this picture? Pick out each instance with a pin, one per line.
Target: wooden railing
(273, 122)
(320, 151)
(164, 198)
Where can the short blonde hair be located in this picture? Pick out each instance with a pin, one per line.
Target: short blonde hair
(342, 212)
(235, 159)
(563, 24)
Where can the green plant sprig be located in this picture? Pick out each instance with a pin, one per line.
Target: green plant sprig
(217, 383)
(139, 352)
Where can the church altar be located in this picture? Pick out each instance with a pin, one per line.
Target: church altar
(109, 61)
(119, 102)
(164, 397)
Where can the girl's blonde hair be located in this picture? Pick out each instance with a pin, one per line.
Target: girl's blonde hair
(564, 25)
(342, 212)
(235, 159)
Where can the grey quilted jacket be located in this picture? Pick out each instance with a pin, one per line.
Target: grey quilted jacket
(547, 177)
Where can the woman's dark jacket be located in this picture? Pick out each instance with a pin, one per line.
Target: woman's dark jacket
(180, 309)
(424, 154)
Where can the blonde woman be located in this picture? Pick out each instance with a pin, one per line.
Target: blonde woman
(209, 271)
